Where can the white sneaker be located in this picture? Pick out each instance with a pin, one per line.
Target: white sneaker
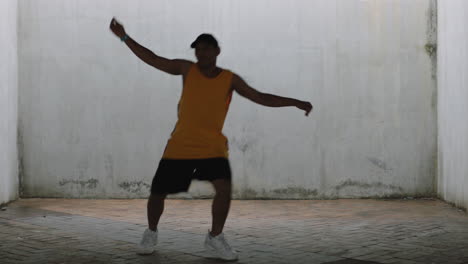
(219, 247)
(148, 242)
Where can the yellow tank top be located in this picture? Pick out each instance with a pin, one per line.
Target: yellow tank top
(202, 109)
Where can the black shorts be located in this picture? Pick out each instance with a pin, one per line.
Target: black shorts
(174, 175)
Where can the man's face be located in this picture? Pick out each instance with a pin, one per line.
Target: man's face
(206, 53)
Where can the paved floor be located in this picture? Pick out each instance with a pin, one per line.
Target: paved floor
(333, 231)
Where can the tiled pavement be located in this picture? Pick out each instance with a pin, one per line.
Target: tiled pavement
(330, 231)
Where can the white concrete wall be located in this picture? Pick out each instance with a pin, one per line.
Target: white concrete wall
(453, 101)
(95, 119)
(8, 101)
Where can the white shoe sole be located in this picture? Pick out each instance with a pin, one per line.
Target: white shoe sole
(145, 251)
(213, 252)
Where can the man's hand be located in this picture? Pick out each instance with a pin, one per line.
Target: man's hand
(306, 106)
(117, 28)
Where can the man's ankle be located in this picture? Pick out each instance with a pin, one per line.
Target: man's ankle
(214, 234)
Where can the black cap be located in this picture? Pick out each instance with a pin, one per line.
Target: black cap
(206, 38)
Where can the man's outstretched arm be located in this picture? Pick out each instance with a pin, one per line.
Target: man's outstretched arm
(242, 88)
(175, 67)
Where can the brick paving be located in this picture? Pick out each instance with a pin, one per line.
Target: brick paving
(266, 231)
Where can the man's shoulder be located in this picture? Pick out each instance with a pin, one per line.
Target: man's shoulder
(233, 74)
(184, 65)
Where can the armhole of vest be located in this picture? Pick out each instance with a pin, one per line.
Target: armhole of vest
(189, 73)
(192, 68)
(230, 78)
(231, 91)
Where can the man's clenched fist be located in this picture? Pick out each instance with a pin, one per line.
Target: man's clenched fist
(117, 28)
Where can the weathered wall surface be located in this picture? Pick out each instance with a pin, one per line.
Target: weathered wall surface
(453, 101)
(94, 119)
(8, 101)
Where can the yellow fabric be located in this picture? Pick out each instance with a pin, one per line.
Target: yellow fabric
(202, 109)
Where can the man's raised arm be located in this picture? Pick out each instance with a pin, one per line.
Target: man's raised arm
(241, 87)
(175, 67)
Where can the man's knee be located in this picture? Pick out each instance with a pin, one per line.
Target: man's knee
(157, 196)
(222, 187)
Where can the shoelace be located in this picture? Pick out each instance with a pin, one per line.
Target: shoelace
(225, 244)
(147, 239)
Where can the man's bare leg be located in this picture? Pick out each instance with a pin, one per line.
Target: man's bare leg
(221, 204)
(155, 209)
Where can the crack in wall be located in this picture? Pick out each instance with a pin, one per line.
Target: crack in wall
(89, 184)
